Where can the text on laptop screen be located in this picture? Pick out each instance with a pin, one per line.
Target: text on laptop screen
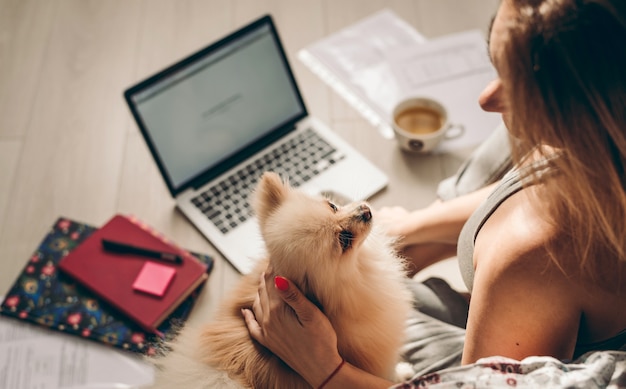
(218, 105)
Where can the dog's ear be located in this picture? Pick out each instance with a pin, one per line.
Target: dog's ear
(270, 193)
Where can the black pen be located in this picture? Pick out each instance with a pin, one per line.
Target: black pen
(124, 248)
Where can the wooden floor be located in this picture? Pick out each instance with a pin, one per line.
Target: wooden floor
(69, 147)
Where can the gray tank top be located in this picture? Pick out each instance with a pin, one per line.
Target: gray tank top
(511, 183)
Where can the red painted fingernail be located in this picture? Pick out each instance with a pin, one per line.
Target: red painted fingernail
(281, 283)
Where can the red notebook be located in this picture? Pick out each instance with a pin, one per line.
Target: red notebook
(111, 276)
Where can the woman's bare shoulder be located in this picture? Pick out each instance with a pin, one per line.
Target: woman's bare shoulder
(519, 295)
(529, 303)
(516, 233)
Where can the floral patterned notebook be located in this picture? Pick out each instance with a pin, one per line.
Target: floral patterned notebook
(45, 296)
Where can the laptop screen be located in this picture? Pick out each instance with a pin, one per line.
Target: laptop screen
(210, 107)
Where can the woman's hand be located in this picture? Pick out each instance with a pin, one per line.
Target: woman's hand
(393, 219)
(414, 227)
(440, 222)
(292, 327)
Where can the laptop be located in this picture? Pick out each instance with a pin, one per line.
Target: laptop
(219, 118)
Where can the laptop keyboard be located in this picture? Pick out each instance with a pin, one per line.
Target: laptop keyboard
(300, 159)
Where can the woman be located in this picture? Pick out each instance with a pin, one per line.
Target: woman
(543, 253)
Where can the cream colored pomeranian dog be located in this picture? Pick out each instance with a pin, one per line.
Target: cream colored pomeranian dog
(338, 259)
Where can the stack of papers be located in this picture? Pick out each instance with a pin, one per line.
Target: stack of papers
(32, 357)
(381, 60)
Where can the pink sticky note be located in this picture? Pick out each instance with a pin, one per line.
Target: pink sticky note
(154, 278)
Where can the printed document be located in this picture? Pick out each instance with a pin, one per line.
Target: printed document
(38, 358)
(381, 60)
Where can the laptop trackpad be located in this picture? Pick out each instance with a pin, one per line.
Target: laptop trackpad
(336, 197)
(331, 194)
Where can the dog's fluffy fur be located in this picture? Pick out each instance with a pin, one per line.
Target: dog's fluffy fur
(338, 260)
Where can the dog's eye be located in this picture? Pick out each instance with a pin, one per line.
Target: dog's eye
(345, 239)
(332, 206)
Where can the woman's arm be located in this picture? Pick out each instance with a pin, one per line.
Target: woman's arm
(522, 303)
(286, 322)
(439, 222)
(429, 235)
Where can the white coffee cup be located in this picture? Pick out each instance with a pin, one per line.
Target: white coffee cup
(421, 123)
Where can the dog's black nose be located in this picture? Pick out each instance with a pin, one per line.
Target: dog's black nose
(365, 213)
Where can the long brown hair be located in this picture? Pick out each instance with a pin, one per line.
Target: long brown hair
(565, 61)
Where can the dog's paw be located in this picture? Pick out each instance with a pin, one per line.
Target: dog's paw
(404, 371)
